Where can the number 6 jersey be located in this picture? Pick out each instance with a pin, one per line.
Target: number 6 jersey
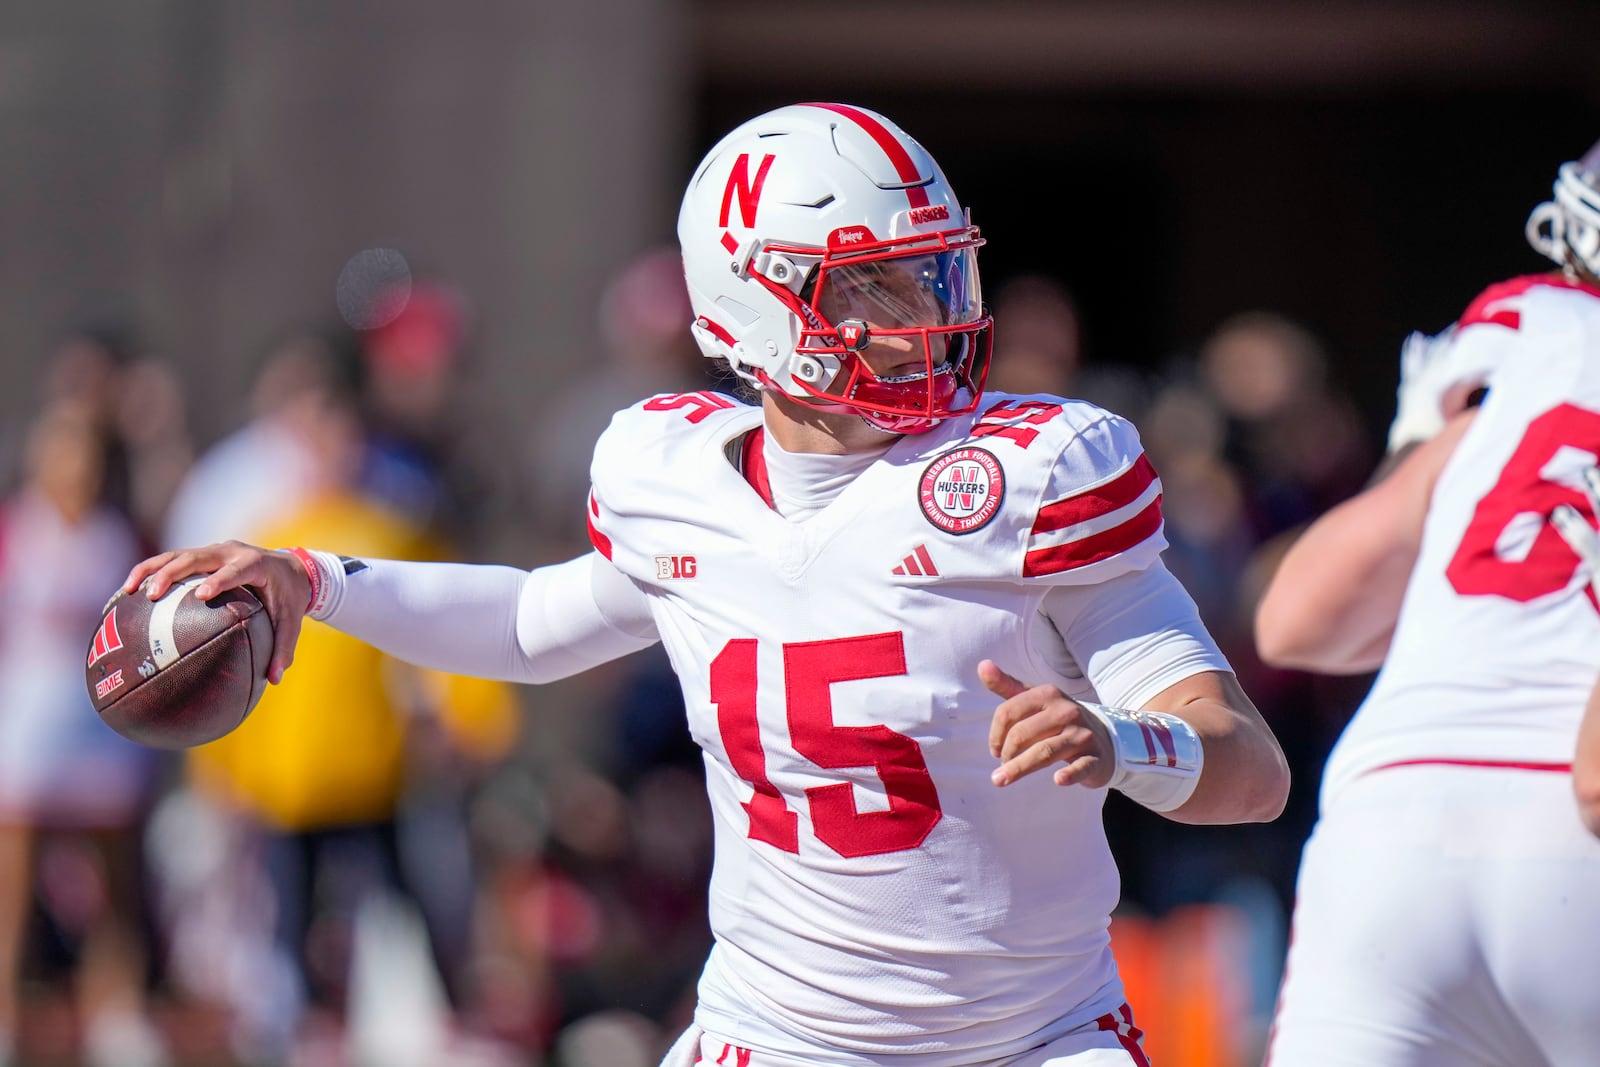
(873, 892)
(1496, 645)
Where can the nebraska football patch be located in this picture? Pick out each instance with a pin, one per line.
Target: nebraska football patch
(962, 490)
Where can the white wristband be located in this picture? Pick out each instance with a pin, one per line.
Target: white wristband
(1158, 755)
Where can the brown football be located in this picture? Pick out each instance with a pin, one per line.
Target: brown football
(179, 671)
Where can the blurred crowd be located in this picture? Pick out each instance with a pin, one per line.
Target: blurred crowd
(384, 865)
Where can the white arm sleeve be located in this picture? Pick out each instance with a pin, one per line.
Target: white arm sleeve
(1134, 635)
(492, 621)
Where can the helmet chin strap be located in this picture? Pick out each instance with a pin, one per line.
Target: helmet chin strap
(882, 422)
(892, 425)
(898, 425)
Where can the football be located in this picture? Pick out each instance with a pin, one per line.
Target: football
(179, 671)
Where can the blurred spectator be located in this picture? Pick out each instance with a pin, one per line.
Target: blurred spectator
(613, 1038)
(351, 774)
(72, 793)
(84, 370)
(137, 403)
(411, 363)
(643, 318)
(431, 452)
(1301, 443)
(1039, 350)
(267, 465)
(154, 433)
(600, 897)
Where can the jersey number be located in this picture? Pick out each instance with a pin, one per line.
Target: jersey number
(1523, 494)
(695, 406)
(1015, 421)
(809, 670)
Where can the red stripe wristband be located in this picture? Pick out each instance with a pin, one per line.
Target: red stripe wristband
(319, 585)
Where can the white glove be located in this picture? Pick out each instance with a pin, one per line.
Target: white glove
(1437, 374)
(1576, 531)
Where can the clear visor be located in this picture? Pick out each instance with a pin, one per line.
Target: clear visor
(908, 291)
(905, 331)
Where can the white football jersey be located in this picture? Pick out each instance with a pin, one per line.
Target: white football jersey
(1498, 641)
(873, 892)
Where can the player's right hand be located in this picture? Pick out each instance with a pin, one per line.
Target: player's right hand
(277, 579)
(1576, 531)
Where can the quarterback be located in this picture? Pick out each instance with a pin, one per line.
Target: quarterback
(1446, 911)
(919, 629)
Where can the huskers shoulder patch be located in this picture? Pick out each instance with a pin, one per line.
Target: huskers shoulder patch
(962, 490)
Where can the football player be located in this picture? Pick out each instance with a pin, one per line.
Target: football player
(1446, 910)
(853, 570)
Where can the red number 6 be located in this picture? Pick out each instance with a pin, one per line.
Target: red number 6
(1478, 569)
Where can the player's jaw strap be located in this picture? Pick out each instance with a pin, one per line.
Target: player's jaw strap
(1158, 755)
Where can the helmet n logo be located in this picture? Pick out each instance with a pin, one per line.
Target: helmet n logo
(852, 334)
(748, 190)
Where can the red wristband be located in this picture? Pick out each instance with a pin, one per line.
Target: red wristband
(313, 572)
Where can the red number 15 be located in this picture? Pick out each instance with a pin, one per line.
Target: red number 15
(810, 669)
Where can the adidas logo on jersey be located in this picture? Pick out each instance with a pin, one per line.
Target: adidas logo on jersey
(919, 563)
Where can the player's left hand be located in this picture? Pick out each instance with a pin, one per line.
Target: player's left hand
(1575, 529)
(1036, 726)
(1438, 376)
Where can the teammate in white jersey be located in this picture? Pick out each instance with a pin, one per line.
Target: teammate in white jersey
(1585, 540)
(1447, 909)
(850, 576)
(1586, 763)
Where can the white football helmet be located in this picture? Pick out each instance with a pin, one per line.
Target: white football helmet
(1572, 218)
(816, 232)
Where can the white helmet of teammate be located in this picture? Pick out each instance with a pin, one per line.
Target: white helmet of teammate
(816, 231)
(1567, 229)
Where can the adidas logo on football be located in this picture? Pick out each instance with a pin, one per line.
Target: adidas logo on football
(918, 563)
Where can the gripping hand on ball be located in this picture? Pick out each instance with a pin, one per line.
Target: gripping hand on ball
(277, 578)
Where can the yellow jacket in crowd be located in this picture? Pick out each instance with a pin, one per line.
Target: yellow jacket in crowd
(327, 746)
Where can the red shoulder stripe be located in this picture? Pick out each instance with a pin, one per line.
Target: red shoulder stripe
(1498, 304)
(599, 540)
(1119, 492)
(1095, 547)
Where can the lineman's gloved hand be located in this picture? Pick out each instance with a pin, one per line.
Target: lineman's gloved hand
(1438, 375)
(1577, 532)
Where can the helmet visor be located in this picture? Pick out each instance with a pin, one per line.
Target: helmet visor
(910, 290)
(908, 329)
